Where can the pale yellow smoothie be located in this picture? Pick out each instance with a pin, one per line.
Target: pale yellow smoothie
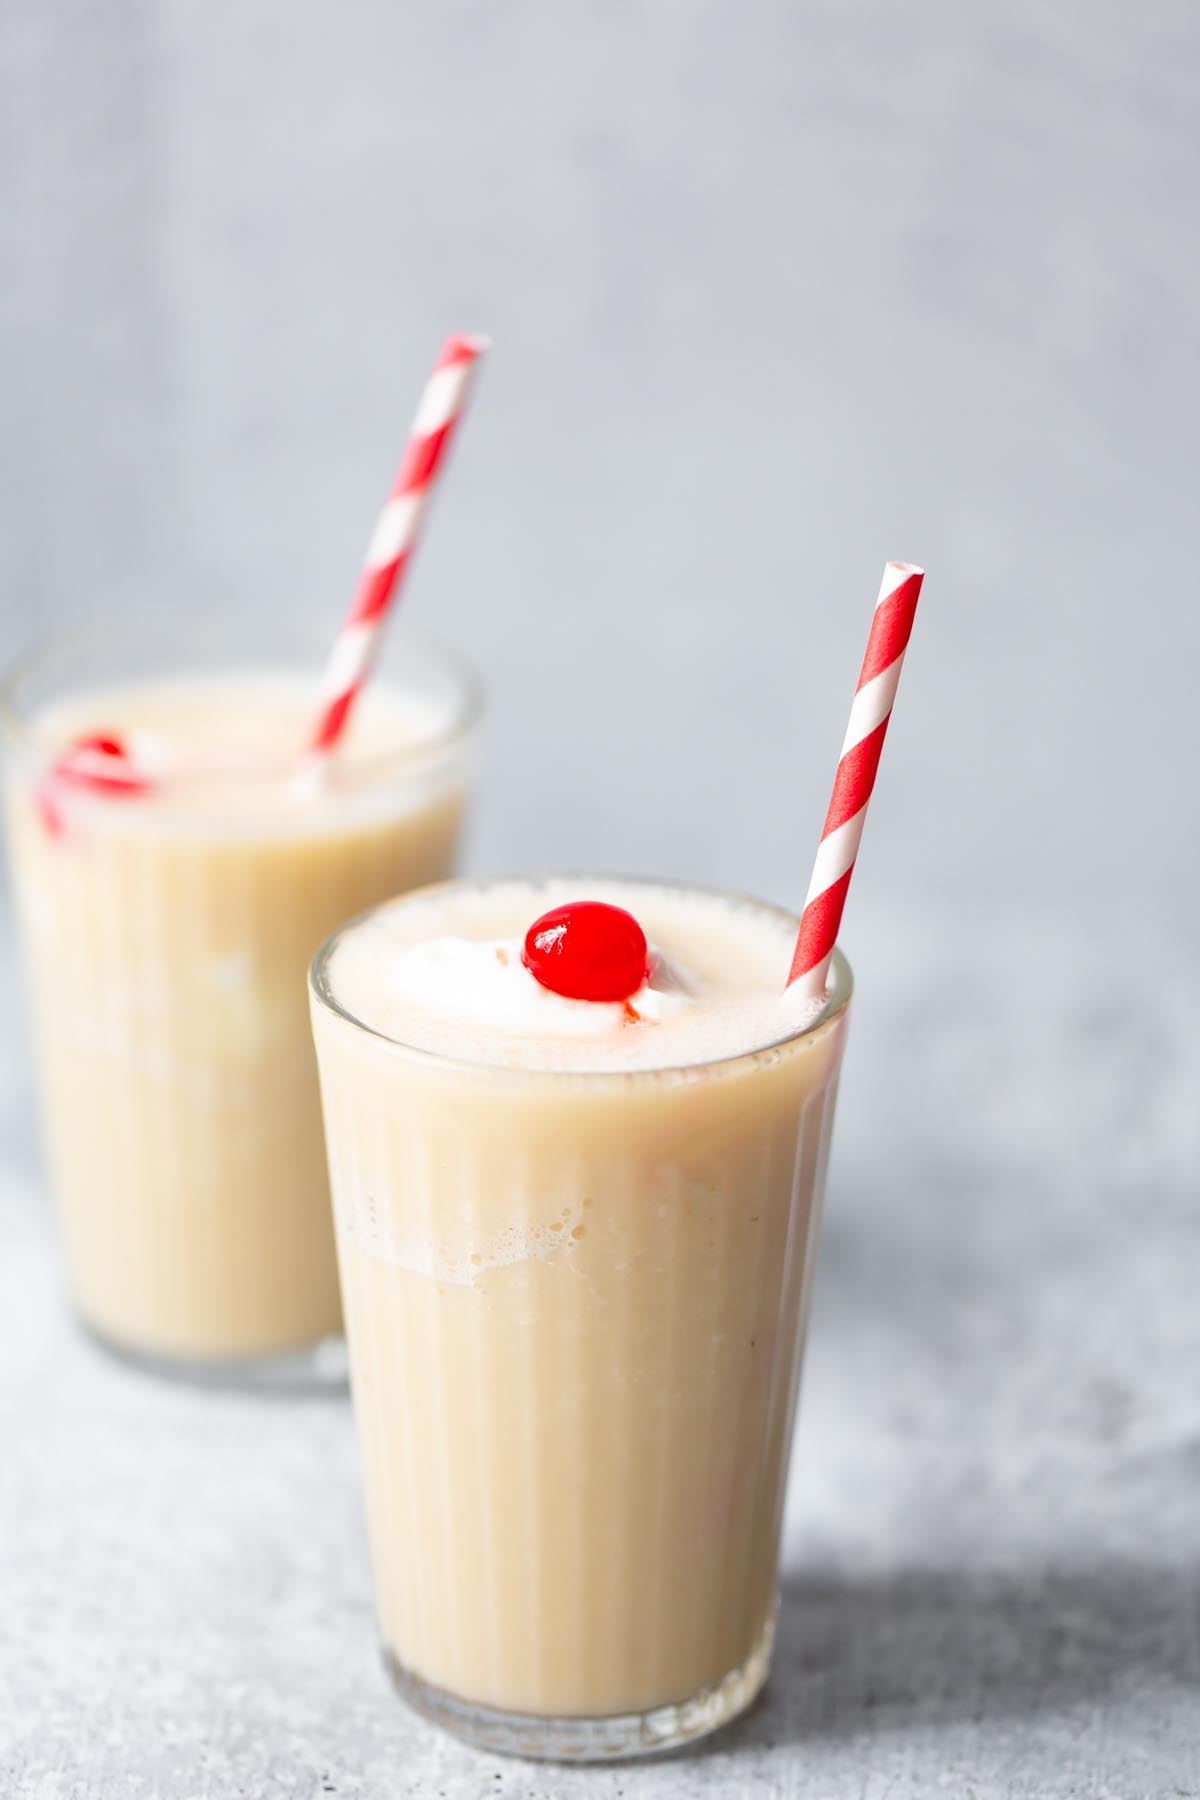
(576, 1240)
(167, 933)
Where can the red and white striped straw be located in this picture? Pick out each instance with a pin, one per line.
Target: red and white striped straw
(861, 749)
(394, 539)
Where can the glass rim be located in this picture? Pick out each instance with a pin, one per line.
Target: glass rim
(17, 722)
(838, 993)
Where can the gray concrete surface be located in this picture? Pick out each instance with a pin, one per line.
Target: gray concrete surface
(993, 1538)
(777, 292)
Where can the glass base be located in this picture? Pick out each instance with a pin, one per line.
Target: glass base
(317, 1369)
(609, 1739)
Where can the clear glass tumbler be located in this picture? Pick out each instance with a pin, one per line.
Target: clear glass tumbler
(575, 1306)
(167, 936)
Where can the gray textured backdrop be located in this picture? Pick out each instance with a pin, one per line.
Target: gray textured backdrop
(777, 292)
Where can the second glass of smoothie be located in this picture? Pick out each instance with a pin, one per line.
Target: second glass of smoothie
(576, 1241)
(166, 934)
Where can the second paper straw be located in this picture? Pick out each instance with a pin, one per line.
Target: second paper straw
(394, 540)
(861, 748)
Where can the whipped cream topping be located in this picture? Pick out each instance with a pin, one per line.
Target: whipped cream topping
(442, 971)
(221, 753)
(485, 984)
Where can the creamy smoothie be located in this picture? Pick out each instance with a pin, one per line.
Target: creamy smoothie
(167, 931)
(575, 1239)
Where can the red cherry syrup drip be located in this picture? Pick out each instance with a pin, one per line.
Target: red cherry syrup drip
(587, 950)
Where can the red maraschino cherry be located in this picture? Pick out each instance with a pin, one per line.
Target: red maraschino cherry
(587, 950)
(100, 762)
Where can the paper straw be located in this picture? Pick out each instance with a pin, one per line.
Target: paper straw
(394, 539)
(861, 749)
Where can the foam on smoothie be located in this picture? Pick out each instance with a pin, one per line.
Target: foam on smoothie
(229, 743)
(443, 972)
